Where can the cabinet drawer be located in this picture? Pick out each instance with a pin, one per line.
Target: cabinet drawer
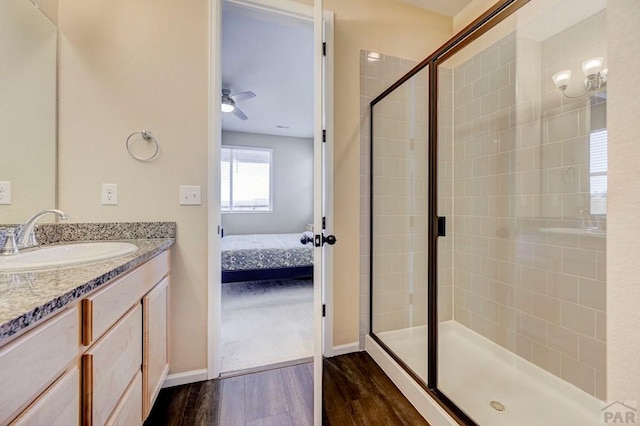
(129, 409)
(103, 308)
(29, 364)
(58, 406)
(109, 366)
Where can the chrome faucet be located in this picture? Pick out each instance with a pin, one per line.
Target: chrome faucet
(587, 221)
(25, 236)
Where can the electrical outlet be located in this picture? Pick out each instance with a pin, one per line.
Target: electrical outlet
(109, 194)
(5, 192)
(190, 195)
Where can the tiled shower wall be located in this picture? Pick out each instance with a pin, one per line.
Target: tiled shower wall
(521, 166)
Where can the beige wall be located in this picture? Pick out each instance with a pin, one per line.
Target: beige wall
(126, 66)
(623, 240)
(391, 28)
(28, 109)
(470, 13)
(50, 8)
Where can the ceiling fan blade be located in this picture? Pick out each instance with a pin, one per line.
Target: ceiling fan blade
(238, 113)
(243, 96)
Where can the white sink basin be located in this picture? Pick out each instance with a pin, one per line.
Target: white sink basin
(65, 254)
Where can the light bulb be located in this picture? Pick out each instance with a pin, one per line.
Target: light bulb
(226, 107)
(561, 79)
(592, 66)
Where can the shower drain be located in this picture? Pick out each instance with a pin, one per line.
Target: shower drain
(498, 406)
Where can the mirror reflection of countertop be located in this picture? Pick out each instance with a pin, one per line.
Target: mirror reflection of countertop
(587, 232)
(27, 297)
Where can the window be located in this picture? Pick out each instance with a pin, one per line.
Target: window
(598, 171)
(246, 180)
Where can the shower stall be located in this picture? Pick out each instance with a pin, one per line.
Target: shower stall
(488, 217)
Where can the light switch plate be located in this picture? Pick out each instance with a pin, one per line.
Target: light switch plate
(190, 195)
(5, 192)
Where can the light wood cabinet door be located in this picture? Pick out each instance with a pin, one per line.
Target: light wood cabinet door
(58, 406)
(109, 366)
(155, 361)
(32, 362)
(129, 410)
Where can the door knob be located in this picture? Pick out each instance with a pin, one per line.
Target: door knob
(329, 239)
(322, 240)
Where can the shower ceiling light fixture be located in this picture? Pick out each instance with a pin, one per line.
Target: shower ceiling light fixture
(592, 68)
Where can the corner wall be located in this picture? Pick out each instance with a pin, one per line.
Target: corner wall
(623, 239)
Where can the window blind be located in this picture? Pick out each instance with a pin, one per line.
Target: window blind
(246, 179)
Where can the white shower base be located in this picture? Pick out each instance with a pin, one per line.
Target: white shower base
(474, 371)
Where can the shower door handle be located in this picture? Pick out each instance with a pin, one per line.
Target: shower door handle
(322, 240)
(442, 226)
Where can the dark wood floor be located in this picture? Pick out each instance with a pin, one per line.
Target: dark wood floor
(355, 392)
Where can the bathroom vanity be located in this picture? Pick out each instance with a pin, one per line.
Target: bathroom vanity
(86, 344)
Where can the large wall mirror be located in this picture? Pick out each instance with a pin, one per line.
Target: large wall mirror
(28, 45)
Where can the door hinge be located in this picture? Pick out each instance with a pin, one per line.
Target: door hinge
(324, 135)
(324, 223)
(324, 310)
(324, 48)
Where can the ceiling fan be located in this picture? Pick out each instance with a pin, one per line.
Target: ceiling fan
(228, 103)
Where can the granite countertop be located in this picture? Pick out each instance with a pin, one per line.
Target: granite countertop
(29, 296)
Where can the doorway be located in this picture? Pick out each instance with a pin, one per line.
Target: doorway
(266, 189)
(277, 10)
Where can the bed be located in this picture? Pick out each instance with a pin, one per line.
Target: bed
(265, 257)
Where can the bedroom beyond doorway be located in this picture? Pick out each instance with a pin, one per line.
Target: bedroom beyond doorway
(266, 192)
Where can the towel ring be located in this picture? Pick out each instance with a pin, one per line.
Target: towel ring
(147, 136)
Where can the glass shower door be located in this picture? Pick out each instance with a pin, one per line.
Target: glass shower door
(522, 179)
(399, 164)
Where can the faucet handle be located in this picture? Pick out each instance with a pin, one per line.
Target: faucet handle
(10, 245)
(587, 220)
(26, 238)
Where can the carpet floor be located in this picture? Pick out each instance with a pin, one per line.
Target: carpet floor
(266, 322)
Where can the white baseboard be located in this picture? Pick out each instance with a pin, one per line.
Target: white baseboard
(417, 396)
(185, 378)
(346, 349)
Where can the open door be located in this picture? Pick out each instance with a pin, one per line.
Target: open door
(322, 176)
(320, 239)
